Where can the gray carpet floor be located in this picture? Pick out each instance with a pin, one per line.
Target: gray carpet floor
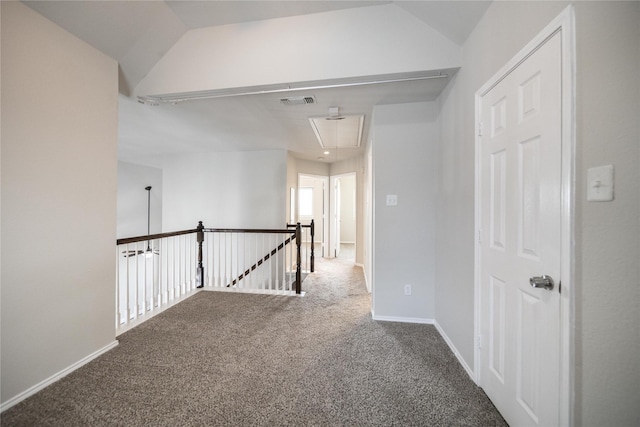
(255, 360)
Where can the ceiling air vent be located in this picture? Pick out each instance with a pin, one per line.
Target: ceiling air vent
(298, 100)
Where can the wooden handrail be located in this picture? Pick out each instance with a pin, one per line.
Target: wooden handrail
(200, 230)
(247, 230)
(153, 236)
(301, 225)
(146, 237)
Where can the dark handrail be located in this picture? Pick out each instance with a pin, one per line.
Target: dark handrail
(301, 225)
(153, 236)
(247, 230)
(126, 240)
(296, 235)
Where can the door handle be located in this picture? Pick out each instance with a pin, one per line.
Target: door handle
(544, 282)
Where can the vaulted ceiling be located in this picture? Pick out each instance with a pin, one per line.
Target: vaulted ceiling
(140, 35)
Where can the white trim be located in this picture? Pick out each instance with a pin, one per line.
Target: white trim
(567, 255)
(565, 24)
(364, 274)
(444, 336)
(52, 379)
(332, 213)
(403, 319)
(455, 351)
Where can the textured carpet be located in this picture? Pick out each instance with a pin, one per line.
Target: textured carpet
(254, 360)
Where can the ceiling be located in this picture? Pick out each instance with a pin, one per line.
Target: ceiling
(138, 33)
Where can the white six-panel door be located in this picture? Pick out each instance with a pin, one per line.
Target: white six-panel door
(520, 147)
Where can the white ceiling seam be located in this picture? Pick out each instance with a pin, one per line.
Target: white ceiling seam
(301, 86)
(155, 39)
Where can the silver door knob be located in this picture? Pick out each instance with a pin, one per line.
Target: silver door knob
(544, 282)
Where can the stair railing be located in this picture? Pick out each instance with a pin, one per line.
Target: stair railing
(153, 272)
(156, 271)
(307, 243)
(252, 260)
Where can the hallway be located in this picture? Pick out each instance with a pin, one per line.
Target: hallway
(237, 359)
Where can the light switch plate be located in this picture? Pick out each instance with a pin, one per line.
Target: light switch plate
(600, 184)
(392, 200)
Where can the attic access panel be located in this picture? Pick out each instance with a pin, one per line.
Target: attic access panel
(341, 131)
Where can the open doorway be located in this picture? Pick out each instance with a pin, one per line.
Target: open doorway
(312, 204)
(342, 240)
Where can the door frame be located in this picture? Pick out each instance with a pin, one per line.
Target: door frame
(325, 204)
(565, 24)
(333, 214)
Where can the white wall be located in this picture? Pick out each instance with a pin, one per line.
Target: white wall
(292, 182)
(367, 209)
(225, 190)
(404, 164)
(309, 167)
(608, 234)
(354, 42)
(132, 199)
(59, 141)
(607, 342)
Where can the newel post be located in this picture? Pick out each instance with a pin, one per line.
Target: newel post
(299, 259)
(200, 268)
(313, 257)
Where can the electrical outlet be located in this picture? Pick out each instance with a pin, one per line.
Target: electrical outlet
(407, 289)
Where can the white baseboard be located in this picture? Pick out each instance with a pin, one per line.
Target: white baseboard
(364, 274)
(52, 379)
(402, 319)
(444, 336)
(456, 352)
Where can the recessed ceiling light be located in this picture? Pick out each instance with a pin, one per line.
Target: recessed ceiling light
(321, 158)
(326, 152)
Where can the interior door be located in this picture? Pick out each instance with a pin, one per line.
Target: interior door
(520, 226)
(316, 210)
(337, 200)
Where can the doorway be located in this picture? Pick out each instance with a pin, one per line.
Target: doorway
(343, 216)
(313, 201)
(524, 194)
